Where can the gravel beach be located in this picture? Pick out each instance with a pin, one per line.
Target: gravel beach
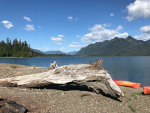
(72, 101)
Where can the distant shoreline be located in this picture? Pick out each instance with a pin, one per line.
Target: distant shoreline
(80, 56)
(14, 57)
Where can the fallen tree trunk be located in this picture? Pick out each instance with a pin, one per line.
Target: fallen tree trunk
(84, 75)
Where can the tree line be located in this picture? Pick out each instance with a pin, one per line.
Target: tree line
(16, 48)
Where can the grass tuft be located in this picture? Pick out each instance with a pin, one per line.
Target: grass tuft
(14, 66)
(131, 108)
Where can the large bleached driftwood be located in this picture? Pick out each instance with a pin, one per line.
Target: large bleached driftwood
(90, 76)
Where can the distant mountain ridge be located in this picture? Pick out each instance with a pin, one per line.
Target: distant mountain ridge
(54, 52)
(37, 50)
(117, 47)
(71, 53)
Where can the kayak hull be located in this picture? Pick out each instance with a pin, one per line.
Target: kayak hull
(146, 90)
(127, 84)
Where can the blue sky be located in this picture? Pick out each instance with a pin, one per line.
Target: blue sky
(68, 25)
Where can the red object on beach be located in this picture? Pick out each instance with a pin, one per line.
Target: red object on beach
(146, 90)
(127, 83)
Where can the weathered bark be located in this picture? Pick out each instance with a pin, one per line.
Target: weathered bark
(84, 75)
(53, 65)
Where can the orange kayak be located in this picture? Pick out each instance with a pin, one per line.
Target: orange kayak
(146, 90)
(127, 84)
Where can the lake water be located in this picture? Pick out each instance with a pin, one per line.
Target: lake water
(131, 68)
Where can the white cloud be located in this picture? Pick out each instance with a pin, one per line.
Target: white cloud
(75, 44)
(29, 27)
(106, 25)
(119, 28)
(70, 18)
(143, 36)
(121, 35)
(27, 19)
(58, 43)
(145, 29)
(60, 36)
(138, 9)
(7, 24)
(100, 33)
(58, 40)
(112, 14)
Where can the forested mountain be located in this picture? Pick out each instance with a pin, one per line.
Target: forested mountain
(17, 48)
(117, 47)
(53, 52)
(72, 53)
(38, 51)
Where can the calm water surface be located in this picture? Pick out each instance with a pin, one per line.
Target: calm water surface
(131, 68)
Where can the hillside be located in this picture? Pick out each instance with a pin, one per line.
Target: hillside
(117, 47)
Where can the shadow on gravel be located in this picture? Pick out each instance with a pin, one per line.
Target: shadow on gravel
(62, 87)
(69, 87)
(7, 106)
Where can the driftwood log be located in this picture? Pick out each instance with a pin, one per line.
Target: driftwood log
(90, 76)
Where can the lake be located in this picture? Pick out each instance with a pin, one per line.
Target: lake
(131, 68)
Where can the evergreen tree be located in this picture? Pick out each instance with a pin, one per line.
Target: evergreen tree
(16, 49)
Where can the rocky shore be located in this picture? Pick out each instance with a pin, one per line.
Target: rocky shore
(75, 100)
